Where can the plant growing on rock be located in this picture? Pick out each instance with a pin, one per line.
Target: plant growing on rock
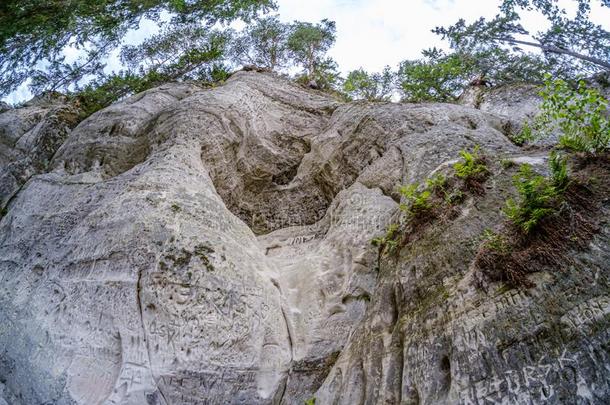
(389, 240)
(553, 216)
(417, 199)
(436, 182)
(558, 167)
(578, 114)
(495, 242)
(538, 195)
(525, 135)
(472, 168)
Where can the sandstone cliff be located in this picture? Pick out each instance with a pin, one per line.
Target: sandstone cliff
(213, 246)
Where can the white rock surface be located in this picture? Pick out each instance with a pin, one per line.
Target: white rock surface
(212, 246)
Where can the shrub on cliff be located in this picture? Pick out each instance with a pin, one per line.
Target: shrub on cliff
(578, 114)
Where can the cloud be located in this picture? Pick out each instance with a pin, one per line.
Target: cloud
(384, 32)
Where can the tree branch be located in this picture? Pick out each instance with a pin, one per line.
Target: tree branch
(558, 50)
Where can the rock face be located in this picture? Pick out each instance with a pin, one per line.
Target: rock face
(213, 246)
(29, 137)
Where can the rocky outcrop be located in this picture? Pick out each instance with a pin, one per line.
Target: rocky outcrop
(213, 246)
(516, 103)
(432, 335)
(30, 136)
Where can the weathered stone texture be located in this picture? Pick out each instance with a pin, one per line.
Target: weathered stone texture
(213, 246)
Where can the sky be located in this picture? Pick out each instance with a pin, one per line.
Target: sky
(370, 33)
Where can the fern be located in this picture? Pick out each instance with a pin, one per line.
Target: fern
(538, 195)
(415, 201)
(389, 240)
(472, 165)
(436, 182)
(558, 165)
(496, 242)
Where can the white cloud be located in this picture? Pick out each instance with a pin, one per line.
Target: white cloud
(372, 34)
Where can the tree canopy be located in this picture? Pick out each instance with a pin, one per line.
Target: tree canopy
(33, 33)
(191, 45)
(571, 45)
(360, 84)
(263, 43)
(308, 43)
(501, 51)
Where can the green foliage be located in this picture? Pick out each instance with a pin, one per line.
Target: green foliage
(436, 182)
(496, 242)
(472, 166)
(311, 401)
(453, 197)
(439, 185)
(308, 44)
(538, 195)
(271, 44)
(507, 163)
(263, 44)
(162, 58)
(436, 77)
(578, 114)
(570, 45)
(389, 240)
(537, 199)
(558, 167)
(33, 33)
(325, 76)
(101, 93)
(417, 200)
(182, 52)
(525, 135)
(360, 84)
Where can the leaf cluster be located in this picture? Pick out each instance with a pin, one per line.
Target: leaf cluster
(389, 240)
(472, 166)
(362, 85)
(579, 114)
(33, 33)
(539, 196)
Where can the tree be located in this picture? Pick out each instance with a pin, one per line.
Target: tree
(436, 77)
(325, 77)
(181, 52)
(33, 33)
(360, 84)
(308, 44)
(570, 46)
(263, 44)
(178, 53)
